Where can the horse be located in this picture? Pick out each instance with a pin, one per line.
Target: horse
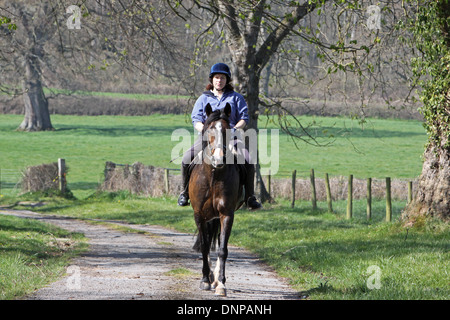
(216, 192)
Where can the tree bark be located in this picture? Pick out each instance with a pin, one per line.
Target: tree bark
(37, 116)
(249, 86)
(433, 194)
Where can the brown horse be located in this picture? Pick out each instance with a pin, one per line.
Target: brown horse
(216, 192)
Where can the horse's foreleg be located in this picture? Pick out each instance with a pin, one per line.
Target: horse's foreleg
(215, 277)
(205, 245)
(219, 272)
(205, 283)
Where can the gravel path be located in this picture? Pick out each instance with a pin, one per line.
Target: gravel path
(125, 266)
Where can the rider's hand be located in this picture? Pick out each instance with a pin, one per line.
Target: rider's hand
(198, 126)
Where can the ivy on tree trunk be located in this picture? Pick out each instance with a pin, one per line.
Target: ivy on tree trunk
(431, 29)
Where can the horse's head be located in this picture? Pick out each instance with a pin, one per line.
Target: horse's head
(214, 135)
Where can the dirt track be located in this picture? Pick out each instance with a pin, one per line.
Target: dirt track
(124, 266)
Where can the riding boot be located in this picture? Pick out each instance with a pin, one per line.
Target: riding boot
(250, 198)
(183, 199)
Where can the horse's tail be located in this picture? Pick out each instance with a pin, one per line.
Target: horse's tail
(212, 232)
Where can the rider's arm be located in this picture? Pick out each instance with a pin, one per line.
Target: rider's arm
(197, 114)
(242, 112)
(241, 124)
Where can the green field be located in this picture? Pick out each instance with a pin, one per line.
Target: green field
(383, 148)
(323, 255)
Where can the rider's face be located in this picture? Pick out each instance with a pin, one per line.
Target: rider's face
(219, 81)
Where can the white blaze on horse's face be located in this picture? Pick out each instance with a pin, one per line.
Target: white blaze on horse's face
(217, 146)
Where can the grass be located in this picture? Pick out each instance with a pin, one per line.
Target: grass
(323, 255)
(32, 254)
(180, 273)
(384, 148)
(327, 257)
(87, 143)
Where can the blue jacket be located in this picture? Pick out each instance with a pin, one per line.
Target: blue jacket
(239, 108)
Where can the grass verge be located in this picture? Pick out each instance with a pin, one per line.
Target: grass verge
(33, 254)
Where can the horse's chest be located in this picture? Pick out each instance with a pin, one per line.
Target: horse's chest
(214, 193)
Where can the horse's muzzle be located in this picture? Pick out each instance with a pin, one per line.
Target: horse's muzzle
(218, 158)
(218, 165)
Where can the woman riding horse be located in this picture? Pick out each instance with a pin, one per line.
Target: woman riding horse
(219, 92)
(215, 192)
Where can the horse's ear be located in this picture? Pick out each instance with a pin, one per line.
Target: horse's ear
(208, 110)
(227, 110)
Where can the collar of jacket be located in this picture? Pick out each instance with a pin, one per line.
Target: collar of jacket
(210, 94)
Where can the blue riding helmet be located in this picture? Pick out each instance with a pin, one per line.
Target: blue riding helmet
(220, 68)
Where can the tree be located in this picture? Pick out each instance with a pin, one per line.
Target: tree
(56, 43)
(23, 49)
(255, 31)
(249, 53)
(431, 29)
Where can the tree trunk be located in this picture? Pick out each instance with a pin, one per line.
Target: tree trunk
(249, 87)
(37, 117)
(433, 194)
(266, 83)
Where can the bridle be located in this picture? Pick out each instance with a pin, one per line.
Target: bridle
(211, 152)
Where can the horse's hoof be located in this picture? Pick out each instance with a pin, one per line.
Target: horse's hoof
(220, 291)
(205, 286)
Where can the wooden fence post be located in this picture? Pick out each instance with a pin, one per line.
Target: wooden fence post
(294, 173)
(350, 197)
(109, 167)
(166, 180)
(62, 175)
(410, 191)
(313, 190)
(327, 186)
(388, 200)
(369, 198)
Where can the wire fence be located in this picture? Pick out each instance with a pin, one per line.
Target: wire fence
(293, 185)
(10, 181)
(335, 187)
(281, 185)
